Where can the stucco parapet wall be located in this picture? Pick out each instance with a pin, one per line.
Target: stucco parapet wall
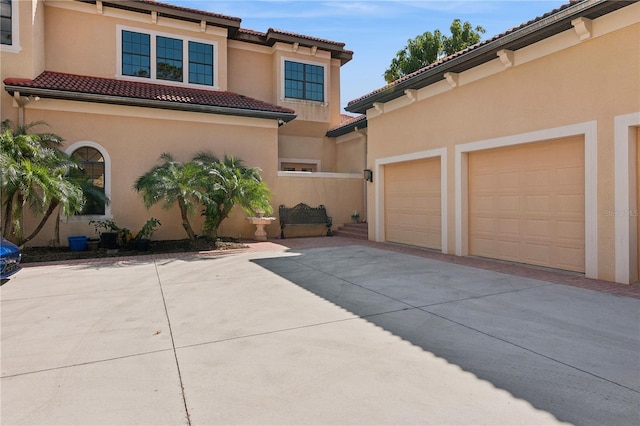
(502, 45)
(320, 175)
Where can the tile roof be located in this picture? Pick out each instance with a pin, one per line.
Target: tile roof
(232, 24)
(188, 9)
(64, 86)
(497, 39)
(349, 124)
(272, 36)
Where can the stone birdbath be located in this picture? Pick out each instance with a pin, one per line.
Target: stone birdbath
(260, 221)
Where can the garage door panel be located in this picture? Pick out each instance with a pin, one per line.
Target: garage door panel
(510, 227)
(412, 203)
(537, 254)
(509, 250)
(538, 203)
(570, 177)
(526, 203)
(536, 229)
(569, 258)
(537, 178)
(570, 204)
(507, 182)
(508, 203)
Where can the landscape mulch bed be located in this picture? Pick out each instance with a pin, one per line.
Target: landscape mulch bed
(52, 254)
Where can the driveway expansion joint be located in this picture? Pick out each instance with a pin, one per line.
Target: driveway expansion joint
(173, 344)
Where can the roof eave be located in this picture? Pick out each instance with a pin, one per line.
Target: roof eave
(148, 103)
(477, 56)
(141, 6)
(346, 129)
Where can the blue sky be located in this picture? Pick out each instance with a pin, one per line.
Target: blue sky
(375, 29)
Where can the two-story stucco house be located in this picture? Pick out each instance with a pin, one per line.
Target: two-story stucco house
(124, 81)
(522, 148)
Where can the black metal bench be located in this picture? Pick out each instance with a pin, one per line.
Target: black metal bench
(302, 214)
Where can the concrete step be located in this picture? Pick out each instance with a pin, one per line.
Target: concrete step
(353, 230)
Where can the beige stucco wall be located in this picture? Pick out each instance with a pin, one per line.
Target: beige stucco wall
(350, 153)
(26, 59)
(80, 38)
(134, 138)
(557, 82)
(251, 70)
(340, 195)
(67, 52)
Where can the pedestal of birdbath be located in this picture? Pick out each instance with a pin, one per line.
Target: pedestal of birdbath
(260, 222)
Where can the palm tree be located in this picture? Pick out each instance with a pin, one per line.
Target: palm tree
(35, 173)
(175, 182)
(231, 183)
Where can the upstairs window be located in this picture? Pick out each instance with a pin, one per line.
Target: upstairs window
(200, 63)
(169, 59)
(160, 57)
(9, 26)
(136, 54)
(6, 22)
(303, 81)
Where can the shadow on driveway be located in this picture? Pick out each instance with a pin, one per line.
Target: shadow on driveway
(569, 351)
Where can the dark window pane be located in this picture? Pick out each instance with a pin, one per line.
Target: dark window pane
(303, 81)
(168, 59)
(92, 164)
(6, 36)
(200, 63)
(136, 54)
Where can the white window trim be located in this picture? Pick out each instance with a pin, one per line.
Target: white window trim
(589, 130)
(626, 202)
(379, 190)
(107, 181)
(185, 58)
(305, 101)
(14, 47)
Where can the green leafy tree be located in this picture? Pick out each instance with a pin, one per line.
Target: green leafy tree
(232, 183)
(34, 173)
(173, 182)
(429, 47)
(206, 181)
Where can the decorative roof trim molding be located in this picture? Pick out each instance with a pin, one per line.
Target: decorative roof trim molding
(583, 27)
(412, 94)
(452, 78)
(506, 57)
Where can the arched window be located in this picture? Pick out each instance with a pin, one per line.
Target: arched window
(92, 163)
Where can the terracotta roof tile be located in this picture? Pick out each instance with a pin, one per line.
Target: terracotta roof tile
(70, 83)
(316, 39)
(348, 125)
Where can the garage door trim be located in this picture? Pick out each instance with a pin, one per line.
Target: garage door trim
(379, 189)
(626, 241)
(588, 130)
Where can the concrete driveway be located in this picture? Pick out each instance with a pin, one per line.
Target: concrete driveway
(333, 335)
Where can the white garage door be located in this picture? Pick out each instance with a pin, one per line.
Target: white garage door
(637, 211)
(412, 203)
(526, 203)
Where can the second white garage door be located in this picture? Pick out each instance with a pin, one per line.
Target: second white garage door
(412, 203)
(526, 203)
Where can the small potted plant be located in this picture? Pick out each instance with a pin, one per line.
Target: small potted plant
(355, 216)
(142, 239)
(109, 235)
